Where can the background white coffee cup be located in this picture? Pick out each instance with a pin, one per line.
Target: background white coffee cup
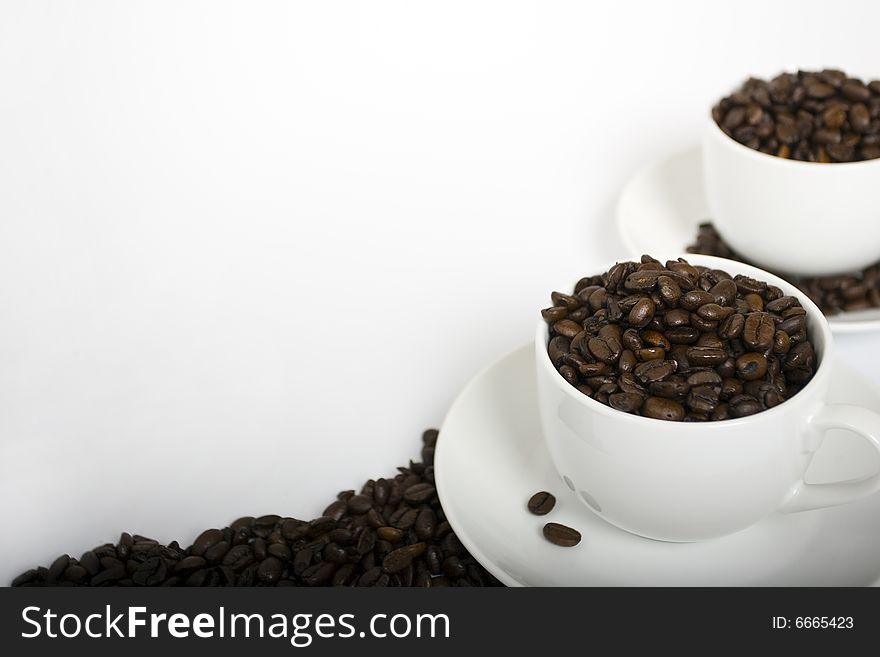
(678, 481)
(802, 218)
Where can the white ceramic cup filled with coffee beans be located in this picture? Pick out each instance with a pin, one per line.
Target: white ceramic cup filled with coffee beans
(791, 171)
(686, 481)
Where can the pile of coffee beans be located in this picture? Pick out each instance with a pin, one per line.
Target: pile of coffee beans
(392, 533)
(680, 342)
(833, 294)
(814, 116)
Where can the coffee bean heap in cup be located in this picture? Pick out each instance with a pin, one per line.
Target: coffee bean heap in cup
(833, 294)
(392, 533)
(814, 116)
(680, 342)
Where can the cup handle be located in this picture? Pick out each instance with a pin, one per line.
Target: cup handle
(859, 420)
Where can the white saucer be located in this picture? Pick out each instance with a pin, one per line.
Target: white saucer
(491, 458)
(661, 207)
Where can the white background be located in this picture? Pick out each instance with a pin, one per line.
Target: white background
(248, 251)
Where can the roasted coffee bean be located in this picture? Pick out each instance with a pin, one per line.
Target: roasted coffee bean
(677, 318)
(59, 566)
(189, 564)
(724, 292)
(321, 525)
(730, 388)
(541, 503)
(406, 519)
(357, 504)
(565, 300)
(800, 356)
(710, 340)
(743, 405)
(704, 378)
(781, 343)
(604, 350)
(123, 547)
(663, 409)
(703, 325)
(792, 325)
(751, 366)
(337, 509)
(205, 540)
(76, 574)
(215, 553)
(597, 299)
(696, 298)
(642, 281)
(151, 572)
(732, 327)
(650, 353)
(318, 574)
(559, 347)
(782, 304)
(90, 562)
(390, 534)
(682, 334)
(703, 398)
(655, 339)
(426, 523)
(567, 328)
(561, 535)
(713, 312)
(107, 577)
(758, 331)
(569, 374)
(631, 339)
(654, 370)
(669, 389)
(628, 402)
(642, 313)
(419, 493)
(400, 558)
(706, 356)
(670, 291)
(554, 314)
(334, 553)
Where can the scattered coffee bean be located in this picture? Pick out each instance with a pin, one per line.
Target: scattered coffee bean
(682, 337)
(392, 533)
(815, 116)
(561, 535)
(541, 503)
(833, 294)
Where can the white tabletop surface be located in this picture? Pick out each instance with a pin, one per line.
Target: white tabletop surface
(291, 232)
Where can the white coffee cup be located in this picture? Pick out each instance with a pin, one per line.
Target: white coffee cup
(677, 481)
(800, 218)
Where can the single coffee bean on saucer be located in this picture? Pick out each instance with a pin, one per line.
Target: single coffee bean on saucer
(561, 534)
(541, 503)
(859, 290)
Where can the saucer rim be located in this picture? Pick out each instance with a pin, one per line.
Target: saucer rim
(451, 515)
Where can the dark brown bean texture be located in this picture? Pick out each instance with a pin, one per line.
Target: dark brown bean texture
(541, 503)
(393, 533)
(561, 534)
